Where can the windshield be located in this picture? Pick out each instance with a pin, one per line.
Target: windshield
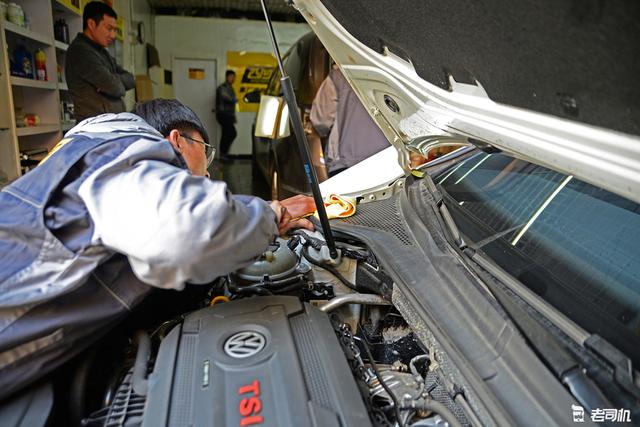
(573, 244)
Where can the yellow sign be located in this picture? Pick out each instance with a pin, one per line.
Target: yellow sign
(72, 5)
(120, 28)
(196, 73)
(253, 72)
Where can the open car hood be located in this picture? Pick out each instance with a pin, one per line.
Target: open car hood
(555, 84)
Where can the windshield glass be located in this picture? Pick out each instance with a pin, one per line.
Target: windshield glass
(573, 244)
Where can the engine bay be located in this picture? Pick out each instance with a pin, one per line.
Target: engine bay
(295, 338)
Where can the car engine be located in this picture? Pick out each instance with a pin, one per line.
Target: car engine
(295, 338)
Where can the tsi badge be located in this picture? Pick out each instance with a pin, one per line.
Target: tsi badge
(578, 413)
(244, 344)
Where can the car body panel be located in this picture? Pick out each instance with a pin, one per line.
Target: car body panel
(602, 157)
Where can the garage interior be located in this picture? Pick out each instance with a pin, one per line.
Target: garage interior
(175, 49)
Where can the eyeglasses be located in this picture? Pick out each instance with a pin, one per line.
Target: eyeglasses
(209, 149)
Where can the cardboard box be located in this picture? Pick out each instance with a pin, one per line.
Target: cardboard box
(144, 88)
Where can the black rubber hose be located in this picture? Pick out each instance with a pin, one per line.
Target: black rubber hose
(139, 376)
(314, 242)
(396, 405)
(251, 289)
(435, 407)
(329, 268)
(258, 290)
(289, 288)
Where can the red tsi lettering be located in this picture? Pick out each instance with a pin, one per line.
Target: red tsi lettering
(250, 405)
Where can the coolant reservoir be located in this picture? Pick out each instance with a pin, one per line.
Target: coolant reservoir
(277, 262)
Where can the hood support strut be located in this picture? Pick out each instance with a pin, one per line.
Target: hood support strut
(298, 130)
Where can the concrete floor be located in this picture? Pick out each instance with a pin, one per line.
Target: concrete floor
(238, 176)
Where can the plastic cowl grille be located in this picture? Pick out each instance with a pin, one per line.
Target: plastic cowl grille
(382, 215)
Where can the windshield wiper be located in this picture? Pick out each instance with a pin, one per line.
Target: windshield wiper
(557, 357)
(563, 364)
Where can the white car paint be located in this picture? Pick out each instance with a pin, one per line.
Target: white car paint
(605, 158)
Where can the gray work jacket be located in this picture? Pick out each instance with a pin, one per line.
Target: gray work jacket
(85, 234)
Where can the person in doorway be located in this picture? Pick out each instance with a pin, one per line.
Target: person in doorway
(96, 82)
(337, 112)
(226, 113)
(120, 206)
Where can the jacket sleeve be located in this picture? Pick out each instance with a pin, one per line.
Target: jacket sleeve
(127, 78)
(101, 78)
(324, 107)
(173, 226)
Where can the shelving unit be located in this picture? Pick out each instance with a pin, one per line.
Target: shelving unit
(37, 130)
(30, 96)
(21, 81)
(62, 46)
(24, 32)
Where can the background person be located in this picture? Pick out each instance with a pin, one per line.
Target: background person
(226, 113)
(337, 112)
(96, 82)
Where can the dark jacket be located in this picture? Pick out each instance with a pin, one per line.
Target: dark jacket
(226, 100)
(96, 83)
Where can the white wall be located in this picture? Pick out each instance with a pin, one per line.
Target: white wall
(141, 12)
(211, 38)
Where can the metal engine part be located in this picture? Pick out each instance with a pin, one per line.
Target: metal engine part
(404, 385)
(278, 262)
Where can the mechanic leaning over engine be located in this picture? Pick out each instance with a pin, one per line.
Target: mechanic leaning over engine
(118, 207)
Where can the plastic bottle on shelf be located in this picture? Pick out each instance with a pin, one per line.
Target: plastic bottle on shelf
(15, 14)
(22, 63)
(41, 65)
(61, 31)
(3, 9)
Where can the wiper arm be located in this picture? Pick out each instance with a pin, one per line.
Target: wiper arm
(622, 366)
(564, 365)
(301, 138)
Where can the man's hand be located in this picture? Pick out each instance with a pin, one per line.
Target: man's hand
(290, 213)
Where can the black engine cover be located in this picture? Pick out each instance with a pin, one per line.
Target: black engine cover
(254, 362)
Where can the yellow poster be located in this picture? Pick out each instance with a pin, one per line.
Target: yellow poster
(253, 72)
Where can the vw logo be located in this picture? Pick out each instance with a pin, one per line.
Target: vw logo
(244, 344)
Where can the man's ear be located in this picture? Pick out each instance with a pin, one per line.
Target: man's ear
(174, 139)
(91, 24)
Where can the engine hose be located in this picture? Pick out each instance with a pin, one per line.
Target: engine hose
(258, 290)
(374, 366)
(251, 289)
(275, 284)
(314, 242)
(329, 268)
(289, 288)
(435, 407)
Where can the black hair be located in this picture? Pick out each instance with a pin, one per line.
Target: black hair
(229, 73)
(164, 115)
(95, 10)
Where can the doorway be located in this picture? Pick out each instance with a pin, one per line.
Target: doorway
(194, 84)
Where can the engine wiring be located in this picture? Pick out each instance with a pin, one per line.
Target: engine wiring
(329, 268)
(376, 372)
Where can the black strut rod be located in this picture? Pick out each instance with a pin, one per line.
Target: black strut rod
(298, 130)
